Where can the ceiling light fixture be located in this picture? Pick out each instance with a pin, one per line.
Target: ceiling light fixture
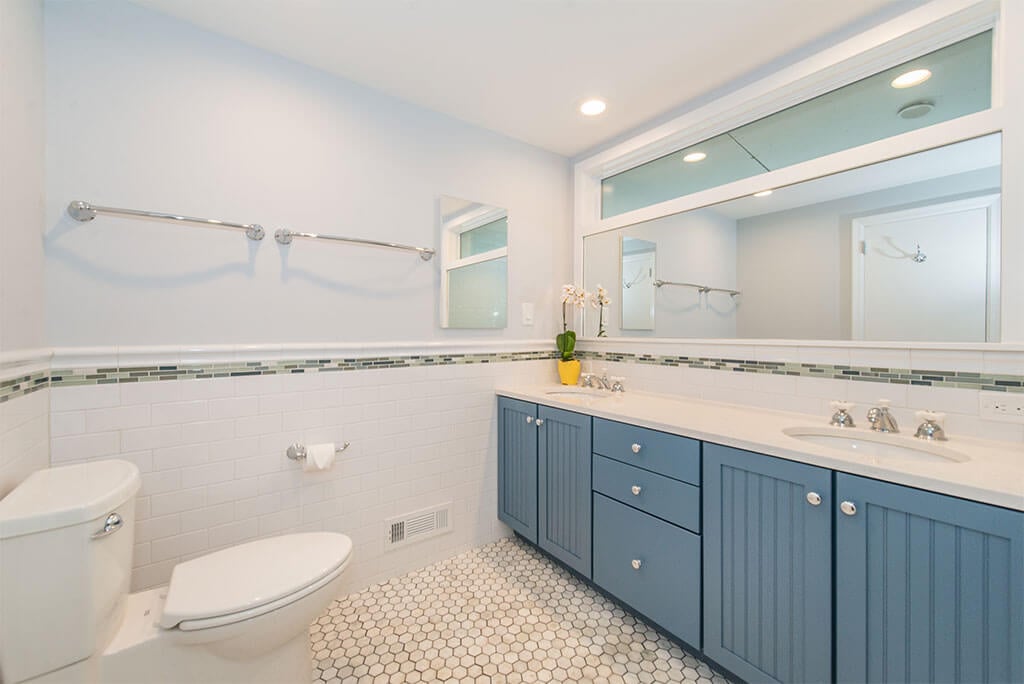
(763, 193)
(916, 110)
(695, 157)
(593, 107)
(911, 78)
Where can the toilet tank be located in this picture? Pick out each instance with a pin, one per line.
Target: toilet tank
(65, 565)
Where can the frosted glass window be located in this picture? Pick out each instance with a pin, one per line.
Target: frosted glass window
(865, 111)
(477, 295)
(488, 237)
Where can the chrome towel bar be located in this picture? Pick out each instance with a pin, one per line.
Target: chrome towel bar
(83, 211)
(285, 237)
(700, 288)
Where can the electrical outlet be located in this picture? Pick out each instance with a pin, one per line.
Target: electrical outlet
(1004, 407)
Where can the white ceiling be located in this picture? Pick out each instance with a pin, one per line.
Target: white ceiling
(521, 67)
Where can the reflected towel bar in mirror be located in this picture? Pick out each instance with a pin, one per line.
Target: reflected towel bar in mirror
(285, 237)
(700, 288)
(83, 211)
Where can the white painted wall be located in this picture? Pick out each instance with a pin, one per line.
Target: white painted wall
(794, 266)
(696, 247)
(24, 437)
(21, 174)
(149, 112)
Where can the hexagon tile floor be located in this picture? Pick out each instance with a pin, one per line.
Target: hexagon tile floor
(501, 614)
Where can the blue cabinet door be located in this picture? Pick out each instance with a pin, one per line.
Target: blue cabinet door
(564, 507)
(517, 466)
(928, 587)
(767, 566)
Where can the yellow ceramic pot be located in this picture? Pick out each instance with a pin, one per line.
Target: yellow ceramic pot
(569, 371)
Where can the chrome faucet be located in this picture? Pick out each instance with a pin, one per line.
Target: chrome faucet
(841, 417)
(599, 381)
(930, 428)
(881, 419)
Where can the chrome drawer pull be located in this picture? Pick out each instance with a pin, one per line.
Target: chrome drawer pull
(636, 448)
(529, 419)
(111, 525)
(848, 507)
(540, 421)
(636, 563)
(636, 489)
(814, 498)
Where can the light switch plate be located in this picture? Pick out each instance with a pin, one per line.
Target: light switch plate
(527, 313)
(1005, 407)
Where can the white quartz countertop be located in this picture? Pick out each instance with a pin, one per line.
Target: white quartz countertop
(993, 474)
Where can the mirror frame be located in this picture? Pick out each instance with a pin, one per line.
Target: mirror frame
(915, 33)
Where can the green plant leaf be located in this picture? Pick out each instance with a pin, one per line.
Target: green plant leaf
(566, 344)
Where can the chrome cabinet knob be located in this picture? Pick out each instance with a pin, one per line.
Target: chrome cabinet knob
(636, 489)
(636, 563)
(635, 448)
(814, 498)
(848, 507)
(529, 419)
(540, 421)
(110, 525)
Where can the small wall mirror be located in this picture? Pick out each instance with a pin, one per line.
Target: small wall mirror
(638, 259)
(903, 250)
(474, 264)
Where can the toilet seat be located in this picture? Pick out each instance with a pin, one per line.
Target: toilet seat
(252, 579)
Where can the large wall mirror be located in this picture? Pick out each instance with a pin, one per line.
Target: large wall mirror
(474, 264)
(903, 250)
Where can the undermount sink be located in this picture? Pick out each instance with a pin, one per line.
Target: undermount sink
(581, 392)
(876, 445)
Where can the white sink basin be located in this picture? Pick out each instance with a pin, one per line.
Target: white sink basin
(877, 446)
(581, 392)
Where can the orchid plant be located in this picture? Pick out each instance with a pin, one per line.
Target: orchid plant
(599, 301)
(575, 297)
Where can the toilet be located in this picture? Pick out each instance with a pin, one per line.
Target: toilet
(241, 614)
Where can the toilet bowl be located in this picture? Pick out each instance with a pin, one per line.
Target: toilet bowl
(241, 614)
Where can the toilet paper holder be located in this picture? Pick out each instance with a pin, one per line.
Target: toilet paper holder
(297, 451)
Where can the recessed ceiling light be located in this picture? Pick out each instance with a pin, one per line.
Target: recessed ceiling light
(911, 78)
(592, 107)
(763, 193)
(695, 157)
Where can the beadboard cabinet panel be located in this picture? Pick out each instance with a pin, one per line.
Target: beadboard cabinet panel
(564, 480)
(517, 466)
(928, 587)
(767, 566)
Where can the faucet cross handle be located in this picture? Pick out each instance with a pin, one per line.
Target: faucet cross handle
(841, 417)
(931, 429)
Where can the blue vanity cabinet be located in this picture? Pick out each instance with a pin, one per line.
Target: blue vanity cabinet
(767, 530)
(563, 486)
(517, 466)
(928, 587)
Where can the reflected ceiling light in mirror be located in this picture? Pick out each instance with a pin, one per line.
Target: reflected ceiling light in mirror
(593, 107)
(911, 78)
(695, 157)
(763, 193)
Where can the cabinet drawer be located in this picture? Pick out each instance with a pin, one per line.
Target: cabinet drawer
(675, 501)
(660, 452)
(666, 585)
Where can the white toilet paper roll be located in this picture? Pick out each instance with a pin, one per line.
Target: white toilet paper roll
(319, 457)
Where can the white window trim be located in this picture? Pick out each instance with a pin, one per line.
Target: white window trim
(451, 232)
(918, 32)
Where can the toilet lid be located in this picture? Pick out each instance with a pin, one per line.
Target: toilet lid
(250, 575)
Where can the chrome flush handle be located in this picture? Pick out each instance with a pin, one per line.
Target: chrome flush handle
(111, 525)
